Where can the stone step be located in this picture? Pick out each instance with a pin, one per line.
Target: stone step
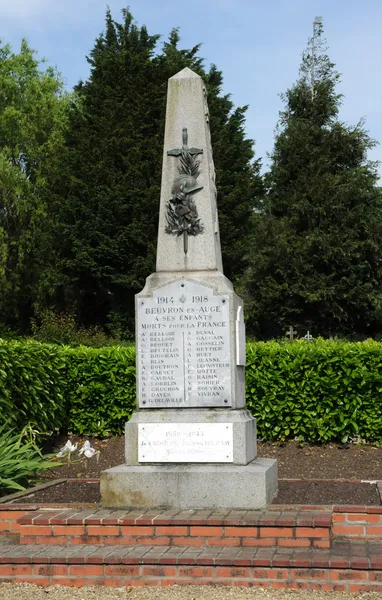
(350, 565)
(293, 529)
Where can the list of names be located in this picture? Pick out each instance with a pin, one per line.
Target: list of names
(183, 347)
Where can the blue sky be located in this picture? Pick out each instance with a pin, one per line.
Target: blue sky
(256, 43)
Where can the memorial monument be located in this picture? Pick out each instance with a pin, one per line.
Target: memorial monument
(191, 443)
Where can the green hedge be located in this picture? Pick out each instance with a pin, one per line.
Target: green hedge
(100, 388)
(83, 390)
(319, 392)
(32, 382)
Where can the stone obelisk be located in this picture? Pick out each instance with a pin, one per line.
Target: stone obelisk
(191, 442)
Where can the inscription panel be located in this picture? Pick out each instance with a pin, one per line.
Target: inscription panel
(185, 442)
(183, 347)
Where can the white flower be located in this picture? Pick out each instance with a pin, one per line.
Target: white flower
(67, 449)
(87, 450)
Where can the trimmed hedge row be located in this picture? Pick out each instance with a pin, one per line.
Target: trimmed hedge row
(319, 392)
(100, 389)
(32, 380)
(83, 390)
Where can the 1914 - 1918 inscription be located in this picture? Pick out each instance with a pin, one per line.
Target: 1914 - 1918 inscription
(183, 346)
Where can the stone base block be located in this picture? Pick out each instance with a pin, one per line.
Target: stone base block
(190, 486)
(244, 428)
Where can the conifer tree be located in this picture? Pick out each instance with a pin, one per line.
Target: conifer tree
(316, 253)
(106, 194)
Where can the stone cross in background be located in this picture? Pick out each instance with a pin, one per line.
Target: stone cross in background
(291, 333)
(191, 442)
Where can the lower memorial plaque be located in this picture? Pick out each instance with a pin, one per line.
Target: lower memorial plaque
(185, 442)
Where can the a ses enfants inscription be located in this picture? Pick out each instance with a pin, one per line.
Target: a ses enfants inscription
(183, 347)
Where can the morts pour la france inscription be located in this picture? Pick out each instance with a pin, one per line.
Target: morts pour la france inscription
(184, 347)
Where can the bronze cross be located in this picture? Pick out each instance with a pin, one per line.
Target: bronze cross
(183, 151)
(178, 151)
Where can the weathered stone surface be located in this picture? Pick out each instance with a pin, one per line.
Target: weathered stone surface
(191, 486)
(244, 429)
(187, 108)
(233, 394)
(175, 384)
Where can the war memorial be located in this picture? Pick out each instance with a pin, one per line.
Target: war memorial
(191, 442)
(192, 504)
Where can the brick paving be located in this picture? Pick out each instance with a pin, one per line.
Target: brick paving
(284, 516)
(344, 554)
(285, 548)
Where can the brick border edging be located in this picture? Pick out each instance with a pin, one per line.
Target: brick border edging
(153, 570)
(182, 528)
(336, 568)
(344, 520)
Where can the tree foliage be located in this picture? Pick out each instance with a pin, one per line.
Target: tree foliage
(106, 193)
(32, 120)
(316, 254)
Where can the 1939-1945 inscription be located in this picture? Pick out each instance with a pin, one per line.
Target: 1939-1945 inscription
(183, 347)
(185, 442)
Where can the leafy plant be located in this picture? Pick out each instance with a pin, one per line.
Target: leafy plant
(33, 117)
(100, 389)
(32, 386)
(323, 391)
(317, 392)
(21, 461)
(62, 328)
(60, 388)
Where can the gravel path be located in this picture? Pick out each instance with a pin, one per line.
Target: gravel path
(26, 591)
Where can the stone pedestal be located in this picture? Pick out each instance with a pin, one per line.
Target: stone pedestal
(190, 486)
(191, 356)
(191, 442)
(241, 424)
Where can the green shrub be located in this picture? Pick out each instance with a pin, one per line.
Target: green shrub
(321, 391)
(21, 461)
(84, 390)
(62, 328)
(318, 392)
(32, 384)
(100, 389)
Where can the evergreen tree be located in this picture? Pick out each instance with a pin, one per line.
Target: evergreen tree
(316, 253)
(32, 121)
(106, 188)
(106, 193)
(238, 180)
